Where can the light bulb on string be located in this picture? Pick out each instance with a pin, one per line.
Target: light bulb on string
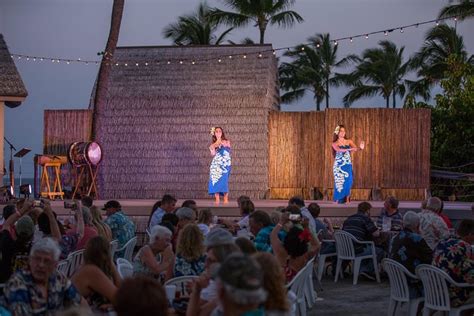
(126, 65)
(146, 64)
(230, 56)
(193, 62)
(260, 55)
(437, 23)
(351, 40)
(335, 43)
(366, 36)
(401, 30)
(168, 62)
(245, 56)
(180, 62)
(274, 52)
(385, 33)
(219, 60)
(136, 64)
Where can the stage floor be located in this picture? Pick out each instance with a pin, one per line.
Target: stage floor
(454, 210)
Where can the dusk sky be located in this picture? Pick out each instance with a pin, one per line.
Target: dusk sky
(79, 28)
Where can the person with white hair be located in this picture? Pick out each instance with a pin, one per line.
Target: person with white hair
(432, 227)
(156, 258)
(40, 289)
(410, 249)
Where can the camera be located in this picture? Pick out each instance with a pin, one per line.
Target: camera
(69, 204)
(295, 217)
(38, 203)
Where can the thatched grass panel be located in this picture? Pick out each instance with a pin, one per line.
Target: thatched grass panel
(155, 127)
(64, 127)
(311, 158)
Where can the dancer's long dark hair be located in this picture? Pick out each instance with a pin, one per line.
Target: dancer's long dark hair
(335, 137)
(214, 138)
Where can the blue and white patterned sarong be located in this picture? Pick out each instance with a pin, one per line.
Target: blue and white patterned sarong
(342, 170)
(220, 171)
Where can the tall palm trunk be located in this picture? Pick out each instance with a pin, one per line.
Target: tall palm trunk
(327, 92)
(318, 105)
(262, 26)
(387, 101)
(100, 98)
(394, 96)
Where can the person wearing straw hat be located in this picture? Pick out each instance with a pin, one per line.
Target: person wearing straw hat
(220, 166)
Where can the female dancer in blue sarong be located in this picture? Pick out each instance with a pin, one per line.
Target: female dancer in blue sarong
(220, 166)
(342, 168)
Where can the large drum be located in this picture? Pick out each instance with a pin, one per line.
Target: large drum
(85, 153)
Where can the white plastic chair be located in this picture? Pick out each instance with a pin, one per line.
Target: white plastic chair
(125, 270)
(75, 260)
(345, 251)
(435, 285)
(310, 294)
(399, 289)
(322, 260)
(113, 247)
(181, 283)
(297, 285)
(128, 249)
(63, 267)
(124, 261)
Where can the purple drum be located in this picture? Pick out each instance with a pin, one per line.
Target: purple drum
(85, 153)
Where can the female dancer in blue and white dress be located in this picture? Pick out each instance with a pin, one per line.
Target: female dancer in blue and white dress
(220, 165)
(342, 168)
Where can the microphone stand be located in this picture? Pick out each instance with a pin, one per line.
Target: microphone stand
(11, 165)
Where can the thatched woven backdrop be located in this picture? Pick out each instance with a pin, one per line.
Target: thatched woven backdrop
(396, 158)
(155, 128)
(61, 129)
(11, 84)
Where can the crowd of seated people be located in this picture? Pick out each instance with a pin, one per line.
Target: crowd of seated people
(235, 273)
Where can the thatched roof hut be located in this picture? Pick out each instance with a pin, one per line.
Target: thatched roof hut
(155, 128)
(12, 89)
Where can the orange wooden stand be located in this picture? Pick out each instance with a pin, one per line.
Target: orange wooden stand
(55, 182)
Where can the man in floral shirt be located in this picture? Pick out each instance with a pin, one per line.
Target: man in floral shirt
(432, 227)
(454, 255)
(40, 289)
(122, 227)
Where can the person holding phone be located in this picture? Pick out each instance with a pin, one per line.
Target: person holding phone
(342, 168)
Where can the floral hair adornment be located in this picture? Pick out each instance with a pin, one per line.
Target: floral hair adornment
(305, 235)
(336, 131)
(213, 131)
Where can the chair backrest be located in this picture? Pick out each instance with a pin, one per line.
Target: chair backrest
(344, 244)
(128, 248)
(113, 247)
(397, 275)
(298, 282)
(181, 284)
(63, 267)
(124, 262)
(75, 260)
(435, 287)
(125, 270)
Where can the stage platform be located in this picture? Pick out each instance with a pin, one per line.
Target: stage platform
(454, 210)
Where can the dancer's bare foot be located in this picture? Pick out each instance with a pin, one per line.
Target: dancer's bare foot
(226, 198)
(217, 199)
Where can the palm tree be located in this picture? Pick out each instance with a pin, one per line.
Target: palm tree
(327, 52)
(441, 42)
(378, 71)
(195, 29)
(302, 74)
(105, 65)
(463, 10)
(260, 12)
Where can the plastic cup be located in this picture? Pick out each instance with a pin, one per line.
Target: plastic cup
(170, 292)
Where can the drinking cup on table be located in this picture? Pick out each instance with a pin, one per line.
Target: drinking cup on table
(170, 292)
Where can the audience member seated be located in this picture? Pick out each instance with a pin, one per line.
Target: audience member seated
(297, 248)
(97, 279)
(299, 202)
(246, 207)
(455, 256)
(432, 227)
(139, 296)
(89, 229)
(7, 211)
(445, 218)
(275, 217)
(14, 249)
(155, 259)
(246, 245)
(102, 228)
(240, 286)
(324, 229)
(390, 217)
(410, 249)
(362, 228)
(50, 228)
(167, 205)
(205, 219)
(185, 217)
(261, 226)
(87, 201)
(192, 205)
(40, 289)
(274, 283)
(122, 227)
(190, 252)
(219, 245)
